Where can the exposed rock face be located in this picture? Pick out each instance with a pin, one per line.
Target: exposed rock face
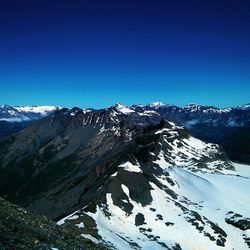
(22, 230)
(238, 221)
(9, 128)
(237, 145)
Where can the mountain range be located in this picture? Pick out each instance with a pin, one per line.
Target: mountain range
(136, 177)
(208, 123)
(14, 119)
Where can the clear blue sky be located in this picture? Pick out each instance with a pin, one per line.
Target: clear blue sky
(95, 53)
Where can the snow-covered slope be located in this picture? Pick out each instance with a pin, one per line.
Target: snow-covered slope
(195, 220)
(173, 192)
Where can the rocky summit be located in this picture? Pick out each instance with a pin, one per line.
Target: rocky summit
(128, 178)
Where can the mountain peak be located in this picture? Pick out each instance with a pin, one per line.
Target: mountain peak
(157, 104)
(5, 106)
(193, 106)
(244, 107)
(122, 108)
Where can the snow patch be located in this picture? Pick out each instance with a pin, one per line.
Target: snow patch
(69, 217)
(128, 166)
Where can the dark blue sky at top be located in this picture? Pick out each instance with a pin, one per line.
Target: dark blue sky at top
(95, 53)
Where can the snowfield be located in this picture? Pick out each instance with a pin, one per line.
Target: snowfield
(177, 192)
(212, 196)
(189, 203)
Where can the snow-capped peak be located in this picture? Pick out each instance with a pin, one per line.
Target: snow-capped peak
(157, 104)
(193, 106)
(245, 107)
(5, 106)
(123, 109)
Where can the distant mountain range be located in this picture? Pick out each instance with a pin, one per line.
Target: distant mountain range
(207, 123)
(24, 113)
(134, 177)
(28, 113)
(14, 119)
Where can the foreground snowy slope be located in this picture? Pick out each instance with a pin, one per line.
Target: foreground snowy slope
(192, 216)
(176, 193)
(195, 220)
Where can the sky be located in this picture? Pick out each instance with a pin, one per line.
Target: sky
(90, 53)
